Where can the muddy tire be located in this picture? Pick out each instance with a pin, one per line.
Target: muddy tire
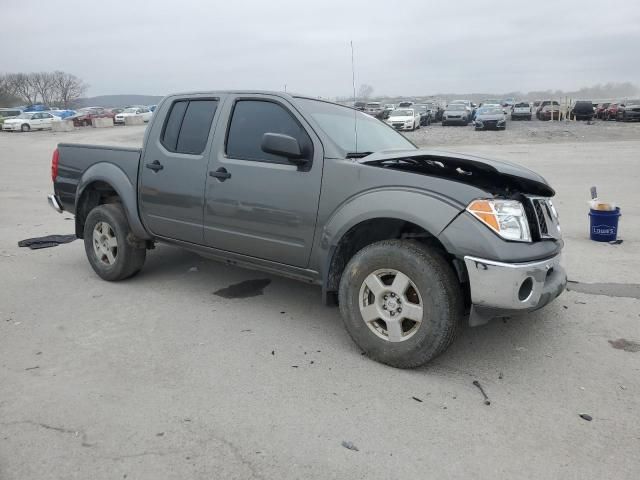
(108, 245)
(401, 302)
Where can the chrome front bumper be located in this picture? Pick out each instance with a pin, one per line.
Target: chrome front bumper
(499, 289)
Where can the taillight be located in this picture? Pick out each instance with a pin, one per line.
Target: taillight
(55, 160)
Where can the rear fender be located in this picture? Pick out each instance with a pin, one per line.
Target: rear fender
(117, 178)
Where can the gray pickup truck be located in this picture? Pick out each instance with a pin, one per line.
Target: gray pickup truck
(405, 241)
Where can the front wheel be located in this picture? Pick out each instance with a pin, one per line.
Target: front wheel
(401, 302)
(25, 127)
(108, 243)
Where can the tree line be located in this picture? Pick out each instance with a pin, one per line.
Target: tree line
(55, 89)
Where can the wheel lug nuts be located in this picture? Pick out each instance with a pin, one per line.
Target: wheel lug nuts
(386, 297)
(384, 307)
(393, 295)
(399, 310)
(392, 313)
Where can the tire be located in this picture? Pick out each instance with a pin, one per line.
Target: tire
(85, 123)
(432, 290)
(444, 124)
(109, 222)
(25, 127)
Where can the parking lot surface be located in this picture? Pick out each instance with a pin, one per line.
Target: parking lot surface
(166, 377)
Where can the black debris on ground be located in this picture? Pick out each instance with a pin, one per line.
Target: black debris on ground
(586, 417)
(626, 345)
(246, 289)
(48, 241)
(417, 399)
(486, 398)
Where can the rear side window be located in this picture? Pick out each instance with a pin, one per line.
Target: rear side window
(187, 127)
(251, 120)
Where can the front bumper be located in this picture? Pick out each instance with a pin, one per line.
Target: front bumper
(11, 127)
(401, 126)
(500, 289)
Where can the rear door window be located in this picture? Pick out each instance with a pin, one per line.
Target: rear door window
(188, 125)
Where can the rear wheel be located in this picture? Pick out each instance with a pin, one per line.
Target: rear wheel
(108, 243)
(401, 302)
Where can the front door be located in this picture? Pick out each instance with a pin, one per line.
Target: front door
(173, 170)
(266, 207)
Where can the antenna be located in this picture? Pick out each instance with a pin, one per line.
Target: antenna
(355, 112)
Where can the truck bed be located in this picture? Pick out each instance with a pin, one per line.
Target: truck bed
(76, 159)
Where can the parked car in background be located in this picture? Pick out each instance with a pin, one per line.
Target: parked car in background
(388, 108)
(360, 106)
(601, 110)
(435, 111)
(582, 110)
(536, 104)
(611, 112)
(373, 108)
(522, 111)
(143, 112)
(116, 111)
(628, 111)
(490, 118)
(405, 104)
(63, 114)
(6, 113)
(30, 121)
(404, 119)
(425, 114)
(85, 116)
(550, 111)
(456, 114)
(544, 103)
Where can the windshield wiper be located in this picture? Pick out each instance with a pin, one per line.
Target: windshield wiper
(358, 154)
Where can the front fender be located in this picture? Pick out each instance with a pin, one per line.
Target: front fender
(118, 179)
(429, 210)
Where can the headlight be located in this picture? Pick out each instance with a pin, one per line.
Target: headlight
(505, 217)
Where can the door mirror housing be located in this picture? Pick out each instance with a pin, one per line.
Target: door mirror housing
(283, 145)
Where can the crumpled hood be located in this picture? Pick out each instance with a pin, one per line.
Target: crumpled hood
(481, 172)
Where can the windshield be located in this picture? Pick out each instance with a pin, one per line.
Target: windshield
(456, 106)
(402, 113)
(491, 111)
(337, 122)
(130, 110)
(25, 115)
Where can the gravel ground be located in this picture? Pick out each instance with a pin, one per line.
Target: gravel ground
(159, 378)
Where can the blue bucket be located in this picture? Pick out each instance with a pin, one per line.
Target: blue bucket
(604, 224)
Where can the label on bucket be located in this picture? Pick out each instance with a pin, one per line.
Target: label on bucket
(603, 230)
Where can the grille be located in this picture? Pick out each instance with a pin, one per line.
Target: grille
(542, 221)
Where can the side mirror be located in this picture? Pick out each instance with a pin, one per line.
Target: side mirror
(283, 145)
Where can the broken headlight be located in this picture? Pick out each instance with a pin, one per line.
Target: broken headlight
(507, 218)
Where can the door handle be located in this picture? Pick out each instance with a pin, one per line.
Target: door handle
(156, 166)
(221, 174)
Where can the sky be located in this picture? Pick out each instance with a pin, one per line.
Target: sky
(413, 47)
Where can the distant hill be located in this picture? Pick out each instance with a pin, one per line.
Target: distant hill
(118, 100)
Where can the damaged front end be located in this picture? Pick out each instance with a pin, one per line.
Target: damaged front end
(506, 244)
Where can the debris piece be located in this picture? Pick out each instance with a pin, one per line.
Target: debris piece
(565, 307)
(350, 446)
(273, 352)
(626, 345)
(486, 399)
(33, 368)
(417, 399)
(38, 353)
(161, 434)
(283, 312)
(616, 242)
(46, 242)
(245, 330)
(580, 303)
(622, 387)
(294, 366)
(311, 362)
(500, 376)
(586, 417)
(193, 269)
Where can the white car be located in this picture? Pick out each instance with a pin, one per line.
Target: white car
(404, 119)
(143, 112)
(30, 121)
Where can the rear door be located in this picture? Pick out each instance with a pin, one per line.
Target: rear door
(173, 169)
(267, 206)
